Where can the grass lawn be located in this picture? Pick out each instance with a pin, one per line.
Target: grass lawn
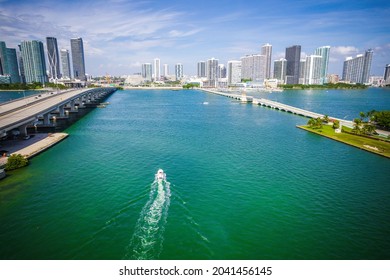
(371, 145)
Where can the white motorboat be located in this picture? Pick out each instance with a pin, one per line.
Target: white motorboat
(160, 175)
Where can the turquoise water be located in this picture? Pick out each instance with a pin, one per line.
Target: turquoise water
(242, 183)
(11, 95)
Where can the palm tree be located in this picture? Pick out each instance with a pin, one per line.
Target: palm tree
(356, 127)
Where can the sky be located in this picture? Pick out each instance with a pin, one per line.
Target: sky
(120, 35)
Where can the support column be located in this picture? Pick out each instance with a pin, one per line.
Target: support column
(23, 130)
(61, 110)
(46, 119)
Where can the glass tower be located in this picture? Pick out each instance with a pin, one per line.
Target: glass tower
(54, 59)
(34, 61)
(65, 63)
(77, 49)
(293, 57)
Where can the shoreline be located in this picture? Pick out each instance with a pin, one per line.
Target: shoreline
(365, 147)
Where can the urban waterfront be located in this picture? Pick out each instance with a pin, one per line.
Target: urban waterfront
(244, 183)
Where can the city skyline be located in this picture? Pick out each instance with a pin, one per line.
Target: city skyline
(119, 36)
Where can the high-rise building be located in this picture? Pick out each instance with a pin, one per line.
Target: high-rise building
(179, 71)
(21, 65)
(280, 68)
(221, 71)
(9, 63)
(253, 67)
(212, 72)
(202, 69)
(157, 69)
(34, 61)
(166, 70)
(313, 70)
(386, 77)
(53, 57)
(293, 57)
(357, 70)
(266, 50)
(65, 62)
(302, 68)
(324, 53)
(147, 71)
(234, 72)
(77, 48)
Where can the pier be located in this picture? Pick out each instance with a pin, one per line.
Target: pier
(277, 106)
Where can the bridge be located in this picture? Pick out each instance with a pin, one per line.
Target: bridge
(45, 108)
(278, 106)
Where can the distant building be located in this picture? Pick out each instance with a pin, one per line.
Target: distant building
(313, 70)
(333, 78)
(34, 61)
(302, 67)
(386, 77)
(253, 67)
(147, 71)
(280, 68)
(266, 50)
(324, 53)
(221, 71)
(156, 69)
(293, 57)
(65, 62)
(53, 57)
(212, 72)
(179, 71)
(166, 70)
(202, 69)
(21, 65)
(357, 70)
(9, 63)
(233, 72)
(78, 61)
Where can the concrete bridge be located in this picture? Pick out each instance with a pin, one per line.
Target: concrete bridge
(45, 108)
(278, 106)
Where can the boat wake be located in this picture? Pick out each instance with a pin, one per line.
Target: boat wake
(147, 240)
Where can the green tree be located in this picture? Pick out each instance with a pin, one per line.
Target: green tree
(336, 124)
(15, 161)
(382, 119)
(356, 126)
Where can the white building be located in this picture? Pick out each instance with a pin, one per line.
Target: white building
(324, 53)
(280, 68)
(233, 72)
(147, 71)
(313, 70)
(179, 71)
(212, 72)
(202, 69)
(266, 50)
(166, 70)
(156, 69)
(253, 67)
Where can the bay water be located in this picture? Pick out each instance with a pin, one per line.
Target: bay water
(242, 183)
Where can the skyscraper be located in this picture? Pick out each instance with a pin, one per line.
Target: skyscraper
(357, 70)
(65, 61)
(221, 71)
(9, 63)
(166, 70)
(324, 53)
(266, 50)
(386, 77)
(157, 69)
(179, 71)
(54, 58)
(34, 61)
(77, 49)
(253, 67)
(202, 69)
(313, 70)
(147, 71)
(280, 68)
(234, 72)
(212, 72)
(293, 57)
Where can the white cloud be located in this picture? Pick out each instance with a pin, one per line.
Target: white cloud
(344, 50)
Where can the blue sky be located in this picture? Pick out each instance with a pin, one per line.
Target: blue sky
(120, 35)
